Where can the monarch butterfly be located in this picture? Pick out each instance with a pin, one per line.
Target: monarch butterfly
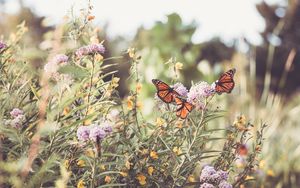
(225, 83)
(164, 91)
(184, 107)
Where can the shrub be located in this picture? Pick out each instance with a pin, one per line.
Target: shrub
(64, 124)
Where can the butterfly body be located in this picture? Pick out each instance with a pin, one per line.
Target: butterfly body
(225, 83)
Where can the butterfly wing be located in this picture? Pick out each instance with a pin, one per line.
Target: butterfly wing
(164, 91)
(160, 85)
(225, 84)
(184, 108)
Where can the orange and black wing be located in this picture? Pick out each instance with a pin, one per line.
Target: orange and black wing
(225, 84)
(183, 108)
(164, 91)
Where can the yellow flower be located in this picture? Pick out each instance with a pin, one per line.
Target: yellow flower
(138, 87)
(177, 150)
(87, 122)
(139, 105)
(130, 102)
(230, 137)
(90, 111)
(66, 111)
(262, 164)
(249, 178)
(150, 170)
(240, 123)
(178, 66)
(81, 163)
(153, 155)
(94, 40)
(124, 174)
(127, 164)
(102, 167)
(160, 122)
(131, 52)
(67, 164)
(90, 153)
(81, 184)
(115, 82)
(98, 57)
(191, 178)
(107, 179)
(270, 173)
(179, 124)
(145, 151)
(142, 179)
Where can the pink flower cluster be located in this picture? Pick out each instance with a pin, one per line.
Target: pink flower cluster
(94, 132)
(198, 93)
(180, 89)
(52, 66)
(210, 178)
(89, 50)
(18, 118)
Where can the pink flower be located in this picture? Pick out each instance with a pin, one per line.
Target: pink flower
(215, 178)
(60, 58)
(83, 133)
(198, 93)
(18, 121)
(224, 184)
(107, 127)
(180, 89)
(97, 133)
(113, 115)
(89, 50)
(52, 66)
(16, 112)
(2, 45)
(207, 185)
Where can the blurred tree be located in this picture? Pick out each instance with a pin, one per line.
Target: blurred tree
(281, 39)
(173, 38)
(216, 51)
(34, 36)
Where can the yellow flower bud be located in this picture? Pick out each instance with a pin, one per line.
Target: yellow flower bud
(130, 103)
(177, 150)
(81, 163)
(124, 174)
(138, 88)
(142, 179)
(150, 170)
(191, 178)
(107, 179)
(178, 66)
(160, 122)
(131, 52)
(153, 155)
(81, 184)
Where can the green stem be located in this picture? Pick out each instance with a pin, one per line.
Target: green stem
(94, 167)
(193, 140)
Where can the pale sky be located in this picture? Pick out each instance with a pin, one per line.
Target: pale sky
(225, 18)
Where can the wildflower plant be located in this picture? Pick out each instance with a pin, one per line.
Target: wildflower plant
(65, 125)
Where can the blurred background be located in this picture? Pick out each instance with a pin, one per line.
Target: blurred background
(261, 39)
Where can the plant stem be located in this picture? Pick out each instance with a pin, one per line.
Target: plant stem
(194, 139)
